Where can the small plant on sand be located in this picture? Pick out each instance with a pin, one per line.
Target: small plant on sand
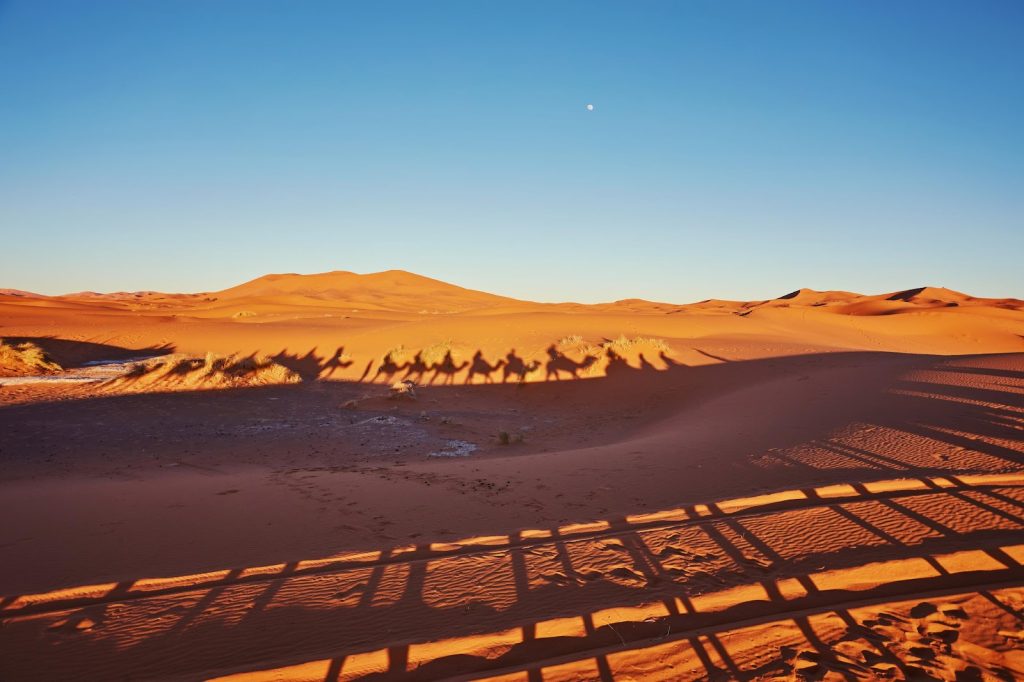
(210, 371)
(214, 362)
(261, 369)
(137, 370)
(573, 341)
(243, 313)
(435, 353)
(623, 344)
(396, 355)
(25, 358)
(506, 438)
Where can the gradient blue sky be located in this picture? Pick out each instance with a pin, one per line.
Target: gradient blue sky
(736, 149)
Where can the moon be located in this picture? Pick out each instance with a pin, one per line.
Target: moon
(590, 107)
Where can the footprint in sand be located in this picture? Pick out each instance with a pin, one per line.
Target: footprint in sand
(74, 624)
(628, 574)
(558, 578)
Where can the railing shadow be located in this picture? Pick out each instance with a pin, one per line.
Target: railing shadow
(675, 576)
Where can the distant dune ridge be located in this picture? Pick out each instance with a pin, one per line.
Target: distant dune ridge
(384, 326)
(401, 291)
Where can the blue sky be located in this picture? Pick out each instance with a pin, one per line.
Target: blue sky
(736, 150)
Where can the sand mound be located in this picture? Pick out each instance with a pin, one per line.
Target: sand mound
(20, 359)
(213, 371)
(810, 297)
(929, 296)
(389, 290)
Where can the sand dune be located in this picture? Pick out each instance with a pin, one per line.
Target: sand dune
(822, 485)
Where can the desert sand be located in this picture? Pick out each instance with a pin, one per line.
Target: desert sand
(385, 476)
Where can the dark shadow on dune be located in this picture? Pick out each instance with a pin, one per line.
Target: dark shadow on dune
(713, 357)
(907, 295)
(704, 547)
(75, 354)
(559, 363)
(683, 569)
(480, 367)
(446, 369)
(516, 368)
(416, 369)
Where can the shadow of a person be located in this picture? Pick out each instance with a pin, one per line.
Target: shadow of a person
(514, 366)
(338, 361)
(616, 363)
(558, 363)
(416, 369)
(389, 368)
(480, 366)
(448, 369)
(669, 362)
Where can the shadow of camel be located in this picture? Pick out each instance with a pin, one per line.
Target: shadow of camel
(446, 369)
(480, 367)
(558, 362)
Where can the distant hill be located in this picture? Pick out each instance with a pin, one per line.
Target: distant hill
(20, 294)
(406, 292)
(389, 290)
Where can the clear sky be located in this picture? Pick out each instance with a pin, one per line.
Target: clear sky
(735, 149)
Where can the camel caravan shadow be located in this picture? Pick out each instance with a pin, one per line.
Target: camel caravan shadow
(567, 359)
(440, 364)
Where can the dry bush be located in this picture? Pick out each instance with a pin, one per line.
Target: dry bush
(211, 371)
(396, 355)
(25, 358)
(623, 344)
(506, 438)
(257, 370)
(435, 353)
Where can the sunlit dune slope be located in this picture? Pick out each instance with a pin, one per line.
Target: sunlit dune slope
(303, 321)
(390, 290)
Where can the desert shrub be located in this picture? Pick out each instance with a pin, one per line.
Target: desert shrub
(260, 369)
(26, 358)
(274, 373)
(624, 343)
(215, 362)
(243, 313)
(396, 355)
(435, 353)
(212, 371)
(136, 370)
(506, 438)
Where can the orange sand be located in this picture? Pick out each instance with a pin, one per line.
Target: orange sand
(824, 485)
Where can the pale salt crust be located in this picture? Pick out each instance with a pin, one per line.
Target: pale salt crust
(95, 370)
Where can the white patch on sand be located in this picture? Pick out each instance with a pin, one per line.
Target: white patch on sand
(455, 448)
(94, 370)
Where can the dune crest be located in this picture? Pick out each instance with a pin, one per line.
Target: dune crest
(399, 291)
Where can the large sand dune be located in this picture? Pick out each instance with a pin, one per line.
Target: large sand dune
(822, 485)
